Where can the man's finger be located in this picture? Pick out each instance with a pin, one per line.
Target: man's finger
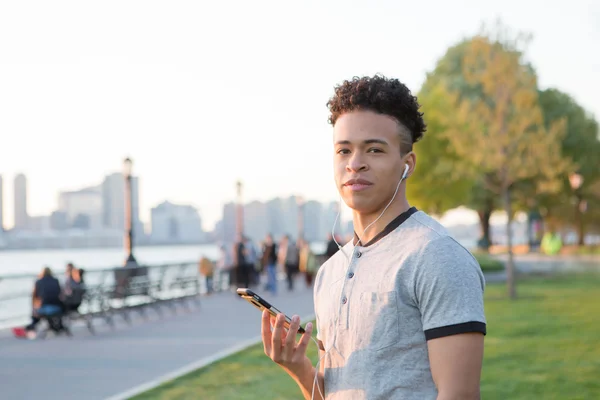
(276, 339)
(303, 343)
(290, 340)
(266, 332)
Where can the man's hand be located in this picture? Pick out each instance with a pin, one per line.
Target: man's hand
(281, 346)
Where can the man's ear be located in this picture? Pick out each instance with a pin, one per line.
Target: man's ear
(411, 160)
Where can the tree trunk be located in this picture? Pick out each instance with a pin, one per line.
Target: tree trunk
(581, 233)
(510, 265)
(484, 221)
(579, 221)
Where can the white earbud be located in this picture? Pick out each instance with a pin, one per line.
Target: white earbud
(405, 172)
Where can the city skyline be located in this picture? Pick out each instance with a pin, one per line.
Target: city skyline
(197, 107)
(112, 183)
(94, 216)
(103, 203)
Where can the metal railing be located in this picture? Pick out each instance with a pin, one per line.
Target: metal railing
(107, 289)
(112, 290)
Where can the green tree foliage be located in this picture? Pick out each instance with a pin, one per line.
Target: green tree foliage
(448, 176)
(488, 130)
(438, 184)
(501, 137)
(573, 206)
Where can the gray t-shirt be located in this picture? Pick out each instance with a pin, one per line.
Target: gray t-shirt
(411, 284)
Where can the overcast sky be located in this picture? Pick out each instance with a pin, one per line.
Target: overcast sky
(200, 94)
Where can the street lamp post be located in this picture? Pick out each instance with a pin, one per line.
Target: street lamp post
(127, 167)
(576, 180)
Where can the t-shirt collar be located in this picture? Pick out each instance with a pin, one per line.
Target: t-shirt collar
(396, 222)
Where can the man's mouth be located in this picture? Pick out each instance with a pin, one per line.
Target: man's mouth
(357, 184)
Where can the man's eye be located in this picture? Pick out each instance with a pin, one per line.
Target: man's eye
(375, 150)
(343, 151)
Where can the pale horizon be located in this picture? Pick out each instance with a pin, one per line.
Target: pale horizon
(201, 96)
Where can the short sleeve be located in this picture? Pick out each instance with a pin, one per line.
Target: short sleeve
(449, 287)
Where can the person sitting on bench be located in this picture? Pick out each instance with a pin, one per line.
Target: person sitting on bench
(46, 300)
(74, 288)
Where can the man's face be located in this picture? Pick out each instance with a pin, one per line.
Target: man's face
(367, 160)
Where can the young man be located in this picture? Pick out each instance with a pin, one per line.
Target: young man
(400, 308)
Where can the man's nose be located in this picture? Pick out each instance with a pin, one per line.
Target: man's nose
(356, 164)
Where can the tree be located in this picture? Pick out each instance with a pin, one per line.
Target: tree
(582, 145)
(438, 185)
(500, 136)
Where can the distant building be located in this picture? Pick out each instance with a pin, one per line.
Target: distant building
(330, 211)
(217, 234)
(113, 204)
(174, 223)
(312, 221)
(20, 204)
(228, 228)
(58, 221)
(83, 208)
(290, 217)
(39, 224)
(280, 217)
(255, 221)
(275, 218)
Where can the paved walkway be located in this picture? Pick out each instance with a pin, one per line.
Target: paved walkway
(539, 263)
(97, 367)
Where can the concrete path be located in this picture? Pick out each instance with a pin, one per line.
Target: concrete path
(542, 264)
(534, 263)
(98, 367)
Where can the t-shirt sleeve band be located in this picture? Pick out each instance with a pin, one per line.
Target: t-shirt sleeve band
(449, 330)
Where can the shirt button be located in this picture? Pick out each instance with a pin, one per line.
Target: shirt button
(358, 254)
(344, 300)
(351, 275)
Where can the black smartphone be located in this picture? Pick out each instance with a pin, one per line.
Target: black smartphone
(262, 304)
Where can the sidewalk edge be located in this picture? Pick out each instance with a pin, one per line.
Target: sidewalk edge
(203, 362)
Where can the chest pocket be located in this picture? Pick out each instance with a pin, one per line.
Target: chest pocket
(378, 324)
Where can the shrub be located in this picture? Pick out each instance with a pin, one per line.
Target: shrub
(489, 264)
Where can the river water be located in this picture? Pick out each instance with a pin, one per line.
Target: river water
(32, 261)
(18, 269)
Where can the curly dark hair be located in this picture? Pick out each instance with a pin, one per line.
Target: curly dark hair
(384, 96)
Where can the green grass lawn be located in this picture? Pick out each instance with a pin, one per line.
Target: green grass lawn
(545, 345)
